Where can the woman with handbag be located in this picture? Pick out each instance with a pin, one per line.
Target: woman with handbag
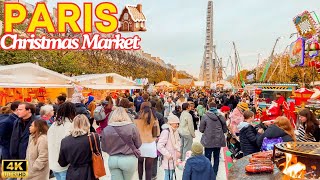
(76, 150)
(149, 130)
(121, 140)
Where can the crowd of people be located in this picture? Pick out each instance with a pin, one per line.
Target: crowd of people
(137, 130)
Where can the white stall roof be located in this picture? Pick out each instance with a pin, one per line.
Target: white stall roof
(28, 75)
(100, 81)
(199, 83)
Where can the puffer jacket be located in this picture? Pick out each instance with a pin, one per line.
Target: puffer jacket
(198, 168)
(169, 146)
(248, 138)
(213, 130)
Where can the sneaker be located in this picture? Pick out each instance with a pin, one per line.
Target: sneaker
(154, 178)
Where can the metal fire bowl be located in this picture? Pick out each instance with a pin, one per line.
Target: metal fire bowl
(309, 150)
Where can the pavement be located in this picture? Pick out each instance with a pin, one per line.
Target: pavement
(221, 172)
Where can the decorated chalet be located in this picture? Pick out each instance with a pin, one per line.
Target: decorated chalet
(132, 19)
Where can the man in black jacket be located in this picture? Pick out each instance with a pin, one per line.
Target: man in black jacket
(6, 127)
(20, 134)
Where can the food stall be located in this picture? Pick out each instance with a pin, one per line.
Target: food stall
(165, 85)
(222, 84)
(31, 83)
(101, 85)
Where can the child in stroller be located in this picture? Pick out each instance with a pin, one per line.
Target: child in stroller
(233, 145)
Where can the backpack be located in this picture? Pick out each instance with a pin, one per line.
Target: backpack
(268, 143)
(99, 114)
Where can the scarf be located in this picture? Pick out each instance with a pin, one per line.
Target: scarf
(174, 136)
(214, 110)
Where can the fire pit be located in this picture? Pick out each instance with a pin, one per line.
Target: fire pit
(301, 160)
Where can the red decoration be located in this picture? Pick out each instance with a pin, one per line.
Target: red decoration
(240, 90)
(258, 91)
(302, 95)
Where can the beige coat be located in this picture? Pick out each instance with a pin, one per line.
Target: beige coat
(37, 156)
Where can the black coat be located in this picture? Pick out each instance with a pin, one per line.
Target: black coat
(20, 138)
(195, 119)
(248, 140)
(6, 127)
(76, 152)
(274, 131)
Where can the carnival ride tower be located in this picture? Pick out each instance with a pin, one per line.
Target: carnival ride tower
(208, 70)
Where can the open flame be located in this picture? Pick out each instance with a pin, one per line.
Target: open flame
(293, 168)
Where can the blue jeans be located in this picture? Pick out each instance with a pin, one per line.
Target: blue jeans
(60, 175)
(166, 174)
(216, 154)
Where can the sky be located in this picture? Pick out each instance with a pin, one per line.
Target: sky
(176, 28)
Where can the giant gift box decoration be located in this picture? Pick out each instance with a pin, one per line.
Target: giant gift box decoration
(302, 95)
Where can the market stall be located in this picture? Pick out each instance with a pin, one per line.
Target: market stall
(222, 84)
(30, 82)
(165, 85)
(101, 85)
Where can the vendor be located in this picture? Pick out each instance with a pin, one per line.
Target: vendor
(280, 99)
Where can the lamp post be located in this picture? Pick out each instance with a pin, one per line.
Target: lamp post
(263, 77)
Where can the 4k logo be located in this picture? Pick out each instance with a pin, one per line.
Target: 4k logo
(14, 168)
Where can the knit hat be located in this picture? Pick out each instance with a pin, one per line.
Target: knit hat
(197, 148)
(225, 108)
(243, 106)
(173, 119)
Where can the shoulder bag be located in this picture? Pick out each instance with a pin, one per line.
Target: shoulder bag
(222, 125)
(136, 151)
(155, 129)
(97, 161)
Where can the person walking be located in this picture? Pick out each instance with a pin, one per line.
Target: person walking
(169, 107)
(186, 130)
(75, 152)
(169, 146)
(213, 126)
(198, 167)
(6, 128)
(121, 140)
(20, 133)
(145, 124)
(91, 106)
(37, 151)
(58, 130)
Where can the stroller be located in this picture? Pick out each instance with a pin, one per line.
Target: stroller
(234, 146)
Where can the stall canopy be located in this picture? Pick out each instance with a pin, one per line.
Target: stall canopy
(186, 82)
(29, 75)
(164, 84)
(199, 83)
(108, 81)
(221, 84)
